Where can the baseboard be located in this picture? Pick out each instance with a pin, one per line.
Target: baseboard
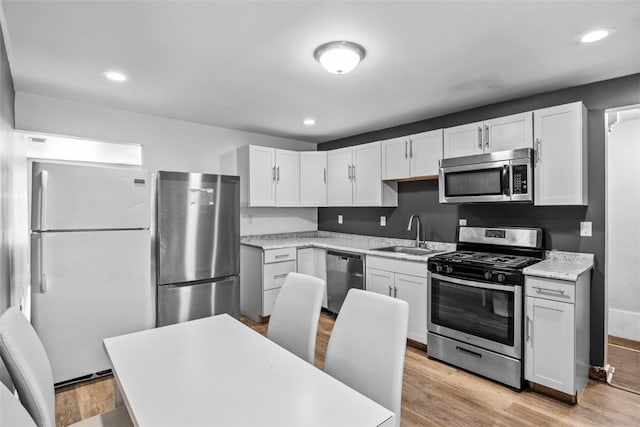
(568, 398)
(624, 324)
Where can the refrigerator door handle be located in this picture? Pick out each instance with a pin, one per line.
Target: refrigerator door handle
(44, 286)
(44, 184)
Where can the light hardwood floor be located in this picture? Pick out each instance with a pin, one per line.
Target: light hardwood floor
(434, 394)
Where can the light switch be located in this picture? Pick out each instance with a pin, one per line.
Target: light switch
(383, 221)
(462, 221)
(339, 219)
(585, 228)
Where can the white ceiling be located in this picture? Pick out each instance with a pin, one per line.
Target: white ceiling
(249, 65)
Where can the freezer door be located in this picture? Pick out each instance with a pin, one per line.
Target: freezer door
(70, 197)
(189, 302)
(198, 236)
(87, 286)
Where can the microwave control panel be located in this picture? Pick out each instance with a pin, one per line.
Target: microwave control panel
(519, 175)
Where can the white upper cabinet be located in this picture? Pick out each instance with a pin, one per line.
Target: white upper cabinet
(412, 156)
(271, 176)
(313, 178)
(354, 178)
(503, 133)
(561, 155)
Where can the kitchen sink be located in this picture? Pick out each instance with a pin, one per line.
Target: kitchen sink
(409, 250)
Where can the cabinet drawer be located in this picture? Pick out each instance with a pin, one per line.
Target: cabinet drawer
(274, 274)
(268, 300)
(277, 255)
(551, 289)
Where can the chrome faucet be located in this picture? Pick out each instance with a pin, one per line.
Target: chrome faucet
(417, 228)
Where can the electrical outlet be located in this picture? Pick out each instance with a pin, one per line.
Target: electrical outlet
(383, 221)
(462, 221)
(585, 228)
(339, 219)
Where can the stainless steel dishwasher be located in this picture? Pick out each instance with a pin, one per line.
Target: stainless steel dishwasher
(345, 270)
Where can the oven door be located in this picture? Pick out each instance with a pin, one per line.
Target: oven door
(486, 315)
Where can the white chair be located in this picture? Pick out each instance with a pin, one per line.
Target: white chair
(29, 368)
(12, 413)
(294, 319)
(367, 346)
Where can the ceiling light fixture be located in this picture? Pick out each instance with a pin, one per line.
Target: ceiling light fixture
(595, 35)
(115, 76)
(309, 122)
(339, 57)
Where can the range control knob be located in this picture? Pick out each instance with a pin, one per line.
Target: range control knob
(448, 269)
(438, 268)
(501, 277)
(487, 275)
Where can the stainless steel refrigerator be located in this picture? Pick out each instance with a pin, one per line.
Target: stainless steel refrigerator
(90, 262)
(196, 235)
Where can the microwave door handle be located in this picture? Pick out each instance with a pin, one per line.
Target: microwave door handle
(506, 184)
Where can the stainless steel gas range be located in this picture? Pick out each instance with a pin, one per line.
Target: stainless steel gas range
(475, 300)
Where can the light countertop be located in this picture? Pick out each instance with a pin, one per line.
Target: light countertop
(561, 265)
(342, 242)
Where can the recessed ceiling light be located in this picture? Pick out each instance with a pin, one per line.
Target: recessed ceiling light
(595, 35)
(309, 122)
(339, 57)
(115, 76)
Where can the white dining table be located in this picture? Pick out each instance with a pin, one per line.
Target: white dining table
(217, 371)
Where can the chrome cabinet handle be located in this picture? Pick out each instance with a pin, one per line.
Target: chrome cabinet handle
(389, 290)
(486, 136)
(538, 145)
(325, 175)
(349, 172)
(282, 256)
(395, 292)
(527, 330)
(273, 174)
(278, 276)
(353, 172)
(541, 290)
(480, 137)
(278, 174)
(406, 155)
(411, 148)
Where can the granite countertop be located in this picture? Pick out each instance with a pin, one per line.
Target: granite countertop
(343, 242)
(561, 265)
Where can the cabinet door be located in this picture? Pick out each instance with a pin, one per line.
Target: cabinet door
(313, 178)
(425, 152)
(287, 178)
(549, 357)
(509, 133)
(339, 184)
(413, 290)
(262, 176)
(464, 140)
(367, 180)
(380, 281)
(395, 158)
(561, 155)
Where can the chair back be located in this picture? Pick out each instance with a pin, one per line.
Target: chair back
(28, 365)
(294, 319)
(367, 346)
(12, 413)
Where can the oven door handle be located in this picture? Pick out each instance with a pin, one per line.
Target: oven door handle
(480, 285)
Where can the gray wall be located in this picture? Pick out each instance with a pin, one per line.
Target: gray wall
(561, 223)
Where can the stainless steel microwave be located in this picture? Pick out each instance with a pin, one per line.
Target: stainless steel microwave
(503, 176)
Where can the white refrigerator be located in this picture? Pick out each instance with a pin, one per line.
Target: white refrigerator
(90, 262)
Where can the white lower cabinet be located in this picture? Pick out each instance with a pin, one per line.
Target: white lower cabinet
(262, 273)
(556, 333)
(313, 261)
(405, 280)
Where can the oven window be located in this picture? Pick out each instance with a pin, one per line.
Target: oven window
(473, 183)
(484, 313)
